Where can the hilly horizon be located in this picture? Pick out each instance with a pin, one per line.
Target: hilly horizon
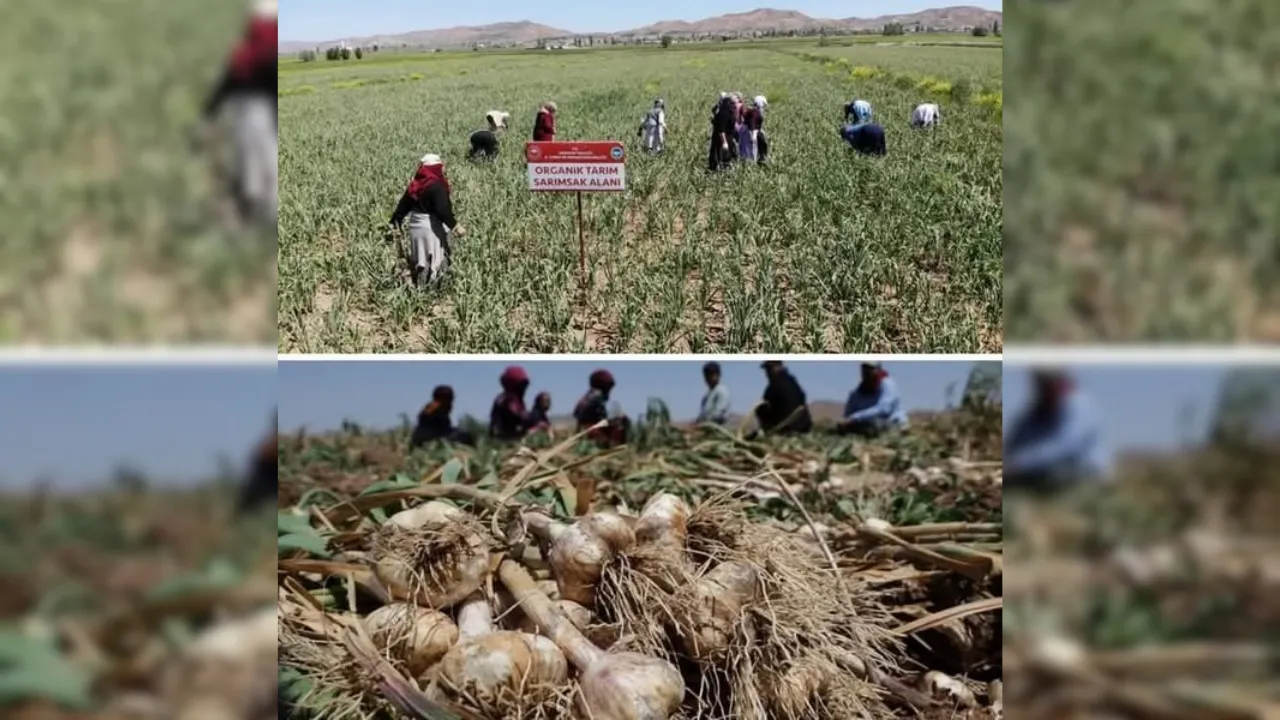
(947, 19)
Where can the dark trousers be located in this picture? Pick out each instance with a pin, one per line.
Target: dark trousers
(762, 147)
(719, 158)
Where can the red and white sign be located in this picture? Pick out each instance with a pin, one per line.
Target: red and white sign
(591, 166)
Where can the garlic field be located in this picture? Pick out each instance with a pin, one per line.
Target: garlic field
(820, 251)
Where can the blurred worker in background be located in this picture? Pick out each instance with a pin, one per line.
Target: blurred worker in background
(873, 407)
(653, 128)
(1057, 441)
(508, 418)
(540, 415)
(593, 408)
(544, 123)
(263, 483)
(754, 120)
(249, 85)
(428, 203)
(724, 134)
(925, 115)
(435, 422)
(783, 410)
(484, 143)
(715, 404)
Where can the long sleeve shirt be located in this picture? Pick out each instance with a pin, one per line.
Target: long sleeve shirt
(715, 406)
(882, 404)
(544, 126)
(434, 200)
(867, 139)
(1068, 442)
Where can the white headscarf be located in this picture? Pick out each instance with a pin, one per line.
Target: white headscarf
(759, 101)
(266, 8)
(431, 159)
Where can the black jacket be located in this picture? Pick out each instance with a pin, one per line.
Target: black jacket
(783, 397)
(434, 200)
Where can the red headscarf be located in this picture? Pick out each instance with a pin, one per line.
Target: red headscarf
(256, 49)
(514, 379)
(426, 176)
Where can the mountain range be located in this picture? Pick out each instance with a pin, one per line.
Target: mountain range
(953, 19)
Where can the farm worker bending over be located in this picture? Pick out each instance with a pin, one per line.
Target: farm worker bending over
(754, 120)
(509, 420)
(783, 410)
(724, 135)
(715, 404)
(264, 477)
(540, 415)
(428, 204)
(1057, 441)
(746, 136)
(867, 138)
(484, 143)
(925, 115)
(249, 83)
(434, 422)
(653, 129)
(594, 408)
(874, 406)
(544, 123)
(859, 111)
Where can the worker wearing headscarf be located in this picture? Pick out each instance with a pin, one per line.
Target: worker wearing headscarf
(783, 409)
(875, 406)
(248, 85)
(715, 404)
(857, 112)
(925, 115)
(594, 408)
(508, 418)
(428, 203)
(435, 421)
(484, 143)
(540, 415)
(724, 135)
(754, 120)
(1057, 440)
(653, 128)
(263, 483)
(544, 123)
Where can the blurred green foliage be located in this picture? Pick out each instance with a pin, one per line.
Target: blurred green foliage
(1143, 170)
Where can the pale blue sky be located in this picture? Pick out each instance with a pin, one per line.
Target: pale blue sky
(320, 20)
(1141, 407)
(76, 424)
(320, 395)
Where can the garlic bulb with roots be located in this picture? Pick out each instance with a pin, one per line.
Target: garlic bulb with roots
(712, 612)
(416, 636)
(580, 551)
(492, 666)
(664, 520)
(433, 555)
(612, 685)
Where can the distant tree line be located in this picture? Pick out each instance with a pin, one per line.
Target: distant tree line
(336, 53)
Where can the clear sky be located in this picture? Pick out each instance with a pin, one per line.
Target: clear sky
(320, 20)
(1141, 407)
(77, 424)
(320, 395)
